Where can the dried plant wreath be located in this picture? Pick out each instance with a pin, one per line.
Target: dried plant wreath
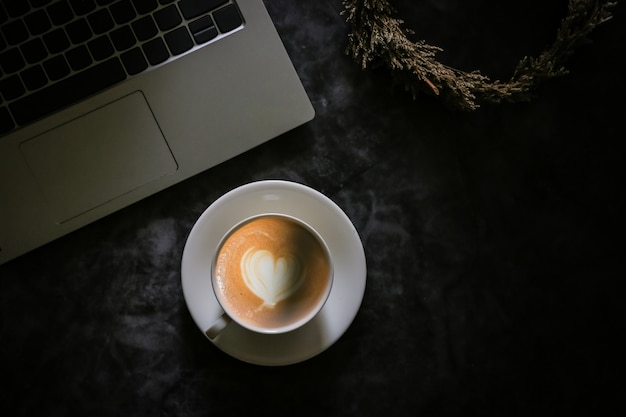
(377, 37)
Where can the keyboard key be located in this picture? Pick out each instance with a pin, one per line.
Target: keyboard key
(60, 12)
(144, 6)
(100, 21)
(78, 58)
(78, 31)
(56, 67)
(6, 121)
(122, 12)
(11, 61)
(134, 61)
(178, 41)
(101, 48)
(15, 32)
(205, 35)
(123, 38)
(34, 51)
(227, 18)
(56, 41)
(11, 87)
(16, 8)
(67, 91)
(37, 22)
(104, 2)
(82, 7)
(39, 3)
(203, 30)
(144, 28)
(167, 18)
(34, 77)
(194, 8)
(155, 51)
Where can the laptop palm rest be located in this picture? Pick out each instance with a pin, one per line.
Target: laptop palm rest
(80, 165)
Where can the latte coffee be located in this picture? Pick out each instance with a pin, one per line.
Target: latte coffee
(272, 272)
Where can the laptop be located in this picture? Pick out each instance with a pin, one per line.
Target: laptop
(105, 102)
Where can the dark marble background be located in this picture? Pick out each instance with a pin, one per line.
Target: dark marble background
(494, 243)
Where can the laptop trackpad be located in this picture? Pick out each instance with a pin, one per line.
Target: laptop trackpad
(99, 156)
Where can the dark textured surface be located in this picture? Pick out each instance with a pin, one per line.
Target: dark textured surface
(494, 243)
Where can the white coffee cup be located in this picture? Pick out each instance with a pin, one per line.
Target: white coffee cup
(271, 273)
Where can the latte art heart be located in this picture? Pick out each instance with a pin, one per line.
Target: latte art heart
(271, 279)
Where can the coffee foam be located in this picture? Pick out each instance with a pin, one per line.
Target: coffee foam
(271, 272)
(269, 278)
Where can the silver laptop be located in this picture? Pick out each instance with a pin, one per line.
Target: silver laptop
(105, 102)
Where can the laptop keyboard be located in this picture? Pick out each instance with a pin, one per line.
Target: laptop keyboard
(54, 53)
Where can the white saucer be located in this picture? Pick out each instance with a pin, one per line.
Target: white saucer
(315, 209)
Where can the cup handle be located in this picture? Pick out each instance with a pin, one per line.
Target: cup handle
(217, 326)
